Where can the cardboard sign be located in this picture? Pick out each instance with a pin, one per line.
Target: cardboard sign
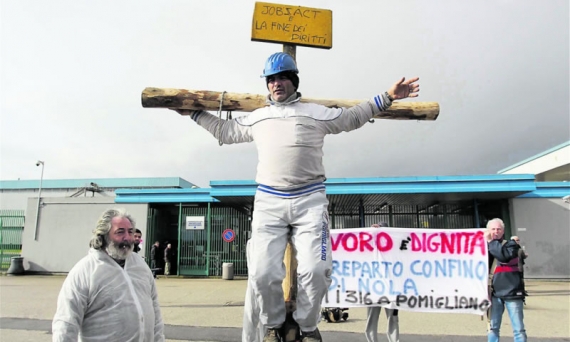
(292, 25)
(426, 270)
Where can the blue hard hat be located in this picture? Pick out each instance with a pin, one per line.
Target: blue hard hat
(279, 62)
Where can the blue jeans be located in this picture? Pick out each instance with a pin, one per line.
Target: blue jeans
(515, 310)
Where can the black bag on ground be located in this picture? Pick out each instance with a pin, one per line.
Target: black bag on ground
(334, 315)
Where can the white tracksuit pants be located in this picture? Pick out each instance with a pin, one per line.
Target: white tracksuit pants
(308, 217)
(393, 329)
(252, 330)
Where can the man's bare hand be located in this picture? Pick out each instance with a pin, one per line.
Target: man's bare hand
(488, 235)
(403, 89)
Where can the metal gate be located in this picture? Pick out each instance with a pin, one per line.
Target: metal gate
(222, 251)
(11, 229)
(193, 244)
(203, 252)
(162, 226)
(451, 216)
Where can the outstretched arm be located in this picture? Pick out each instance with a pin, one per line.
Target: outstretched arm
(348, 119)
(227, 131)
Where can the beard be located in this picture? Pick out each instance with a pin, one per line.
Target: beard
(119, 251)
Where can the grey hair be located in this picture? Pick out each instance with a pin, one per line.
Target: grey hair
(514, 237)
(100, 233)
(383, 224)
(498, 220)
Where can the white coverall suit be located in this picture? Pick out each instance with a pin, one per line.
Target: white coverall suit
(393, 329)
(102, 302)
(289, 138)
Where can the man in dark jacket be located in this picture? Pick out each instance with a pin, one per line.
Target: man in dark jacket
(507, 285)
(168, 257)
(155, 257)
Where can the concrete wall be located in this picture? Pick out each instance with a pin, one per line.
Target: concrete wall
(543, 225)
(64, 230)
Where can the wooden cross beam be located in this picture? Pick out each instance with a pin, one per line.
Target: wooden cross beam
(210, 101)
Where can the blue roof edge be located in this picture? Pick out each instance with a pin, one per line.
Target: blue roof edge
(490, 177)
(392, 185)
(172, 195)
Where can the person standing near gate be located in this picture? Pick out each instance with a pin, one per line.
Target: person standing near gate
(289, 137)
(506, 282)
(155, 257)
(373, 313)
(138, 238)
(168, 257)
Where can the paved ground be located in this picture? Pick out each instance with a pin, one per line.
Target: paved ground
(210, 310)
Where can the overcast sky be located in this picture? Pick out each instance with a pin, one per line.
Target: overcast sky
(72, 73)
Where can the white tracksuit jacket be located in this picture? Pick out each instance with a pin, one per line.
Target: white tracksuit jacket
(289, 138)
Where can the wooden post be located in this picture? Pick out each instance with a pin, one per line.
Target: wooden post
(291, 50)
(291, 329)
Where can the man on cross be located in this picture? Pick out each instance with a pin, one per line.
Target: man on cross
(289, 137)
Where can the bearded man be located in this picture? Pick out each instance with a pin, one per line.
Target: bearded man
(110, 294)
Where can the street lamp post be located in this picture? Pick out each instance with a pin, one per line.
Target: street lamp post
(38, 163)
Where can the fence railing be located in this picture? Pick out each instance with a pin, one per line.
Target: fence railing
(11, 230)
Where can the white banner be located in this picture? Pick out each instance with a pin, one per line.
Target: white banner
(194, 222)
(427, 270)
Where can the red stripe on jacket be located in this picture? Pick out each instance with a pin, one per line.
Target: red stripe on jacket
(503, 269)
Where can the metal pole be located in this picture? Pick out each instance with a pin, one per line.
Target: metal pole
(1, 247)
(418, 216)
(333, 218)
(476, 213)
(179, 244)
(361, 213)
(39, 199)
(208, 228)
